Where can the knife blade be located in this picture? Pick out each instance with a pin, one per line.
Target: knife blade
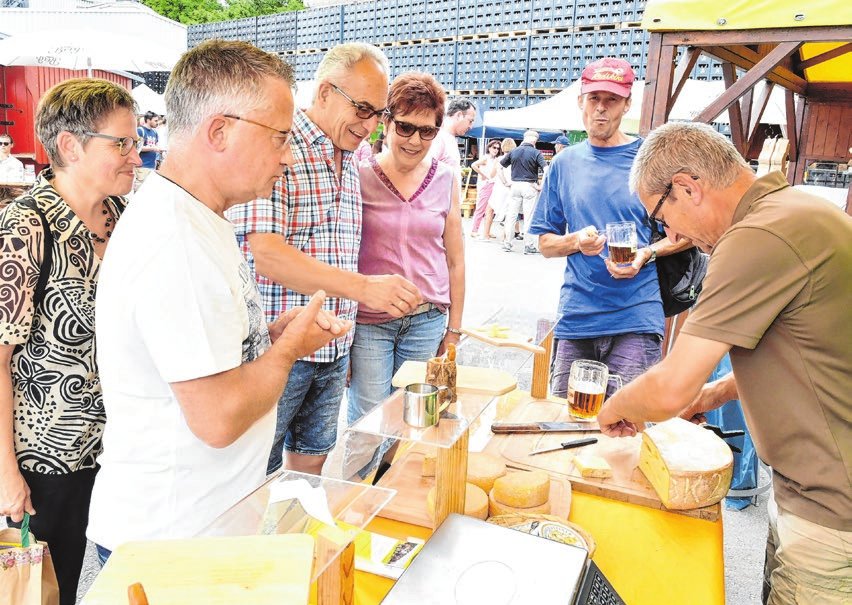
(545, 427)
(566, 445)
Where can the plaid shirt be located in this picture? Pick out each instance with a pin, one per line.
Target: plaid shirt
(317, 215)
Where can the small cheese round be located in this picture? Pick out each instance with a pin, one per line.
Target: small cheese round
(522, 489)
(483, 469)
(475, 502)
(496, 508)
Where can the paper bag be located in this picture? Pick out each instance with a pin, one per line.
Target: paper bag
(27, 576)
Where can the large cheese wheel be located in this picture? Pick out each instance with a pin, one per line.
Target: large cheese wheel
(475, 502)
(522, 489)
(688, 466)
(483, 469)
(496, 508)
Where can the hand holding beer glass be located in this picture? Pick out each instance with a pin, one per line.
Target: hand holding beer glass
(622, 242)
(587, 387)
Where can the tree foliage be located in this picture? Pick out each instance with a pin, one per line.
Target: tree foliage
(190, 12)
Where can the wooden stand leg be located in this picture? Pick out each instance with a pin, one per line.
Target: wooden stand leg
(450, 478)
(541, 369)
(336, 584)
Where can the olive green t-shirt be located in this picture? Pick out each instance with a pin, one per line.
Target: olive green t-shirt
(779, 289)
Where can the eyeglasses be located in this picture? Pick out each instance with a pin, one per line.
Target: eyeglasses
(287, 134)
(652, 218)
(406, 130)
(362, 111)
(125, 144)
(4, 143)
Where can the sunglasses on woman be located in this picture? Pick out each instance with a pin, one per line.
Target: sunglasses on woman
(406, 130)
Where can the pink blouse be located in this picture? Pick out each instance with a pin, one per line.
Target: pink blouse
(405, 237)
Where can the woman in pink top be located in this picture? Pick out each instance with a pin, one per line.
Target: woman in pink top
(486, 167)
(411, 227)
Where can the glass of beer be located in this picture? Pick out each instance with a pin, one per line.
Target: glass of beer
(587, 387)
(621, 242)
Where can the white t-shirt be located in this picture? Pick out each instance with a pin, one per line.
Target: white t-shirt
(445, 148)
(11, 170)
(175, 301)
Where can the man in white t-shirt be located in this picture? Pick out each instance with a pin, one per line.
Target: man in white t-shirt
(11, 168)
(190, 370)
(458, 120)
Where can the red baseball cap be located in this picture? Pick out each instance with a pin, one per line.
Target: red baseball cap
(610, 75)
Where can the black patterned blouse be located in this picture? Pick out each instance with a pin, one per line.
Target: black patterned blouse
(58, 407)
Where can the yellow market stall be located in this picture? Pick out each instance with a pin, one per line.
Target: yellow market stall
(802, 47)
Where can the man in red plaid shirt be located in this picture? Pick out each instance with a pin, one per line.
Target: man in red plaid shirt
(306, 237)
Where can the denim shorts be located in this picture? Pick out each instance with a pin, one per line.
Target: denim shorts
(308, 410)
(627, 355)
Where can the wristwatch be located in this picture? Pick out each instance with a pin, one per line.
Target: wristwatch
(453, 330)
(653, 255)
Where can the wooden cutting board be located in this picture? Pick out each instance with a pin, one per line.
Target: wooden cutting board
(627, 483)
(215, 571)
(470, 379)
(507, 338)
(409, 504)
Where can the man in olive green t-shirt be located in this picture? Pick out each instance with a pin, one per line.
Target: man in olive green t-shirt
(778, 297)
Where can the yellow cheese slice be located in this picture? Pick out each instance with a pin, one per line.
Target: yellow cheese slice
(430, 464)
(475, 502)
(522, 489)
(484, 469)
(593, 466)
(496, 508)
(688, 466)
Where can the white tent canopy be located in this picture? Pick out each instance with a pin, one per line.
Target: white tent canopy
(561, 113)
(148, 100)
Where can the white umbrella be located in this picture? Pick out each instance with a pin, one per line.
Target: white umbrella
(148, 100)
(85, 49)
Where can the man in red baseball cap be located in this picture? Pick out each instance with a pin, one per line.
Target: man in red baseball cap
(608, 312)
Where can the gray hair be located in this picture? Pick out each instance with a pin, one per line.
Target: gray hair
(343, 57)
(77, 106)
(531, 135)
(219, 76)
(690, 147)
(459, 104)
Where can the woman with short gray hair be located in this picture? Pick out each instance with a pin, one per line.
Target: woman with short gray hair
(52, 240)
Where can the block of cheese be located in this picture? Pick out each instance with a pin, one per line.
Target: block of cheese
(688, 466)
(496, 508)
(592, 465)
(484, 469)
(522, 489)
(475, 502)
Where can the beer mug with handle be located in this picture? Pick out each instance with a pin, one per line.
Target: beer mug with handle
(587, 387)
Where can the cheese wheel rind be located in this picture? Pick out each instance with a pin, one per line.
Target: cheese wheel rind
(496, 508)
(475, 502)
(484, 469)
(522, 489)
(688, 466)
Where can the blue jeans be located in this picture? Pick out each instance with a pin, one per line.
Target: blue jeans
(308, 410)
(627, 355)
(378, 351)
(103, 554)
